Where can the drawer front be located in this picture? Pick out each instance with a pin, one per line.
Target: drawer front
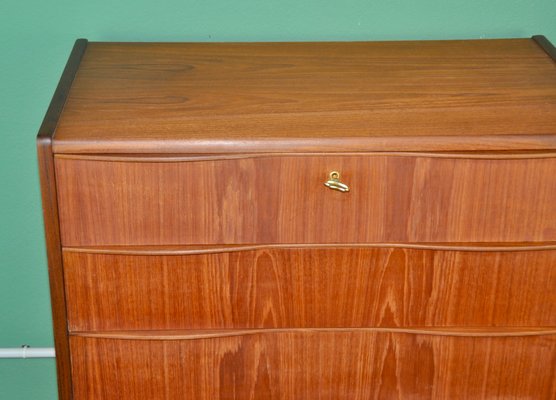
(282, 199)
(311, 287)
(315, 365)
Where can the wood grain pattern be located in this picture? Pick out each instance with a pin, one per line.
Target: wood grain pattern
(51, 223)
(283, 200)
(195, 253)
(239, 97)
(287, 288)
(287, 366)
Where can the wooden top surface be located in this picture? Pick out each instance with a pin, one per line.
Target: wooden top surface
(310, 97)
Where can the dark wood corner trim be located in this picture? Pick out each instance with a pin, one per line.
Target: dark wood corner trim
(55, 271)
(50, 215)
(50, 121)
(546, 45)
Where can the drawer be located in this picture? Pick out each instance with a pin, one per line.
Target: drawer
(282, 199)
(310, 287)
(315, 365)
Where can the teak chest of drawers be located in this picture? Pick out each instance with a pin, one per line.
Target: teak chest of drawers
(303, 220)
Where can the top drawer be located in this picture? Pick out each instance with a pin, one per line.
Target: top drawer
(283, 199)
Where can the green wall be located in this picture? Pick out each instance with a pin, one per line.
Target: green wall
(35, 40)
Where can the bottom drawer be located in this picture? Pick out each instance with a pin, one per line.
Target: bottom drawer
(315, 365)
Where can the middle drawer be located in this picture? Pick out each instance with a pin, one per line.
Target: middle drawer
(279, 287)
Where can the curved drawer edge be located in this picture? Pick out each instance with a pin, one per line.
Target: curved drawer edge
(215, 334)
(211, 249)
(477, 155)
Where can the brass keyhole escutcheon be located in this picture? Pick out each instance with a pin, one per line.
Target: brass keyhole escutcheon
(334, 182)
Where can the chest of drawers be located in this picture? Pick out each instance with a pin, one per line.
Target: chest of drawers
(303, 220)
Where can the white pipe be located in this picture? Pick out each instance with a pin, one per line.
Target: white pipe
(27, 352)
